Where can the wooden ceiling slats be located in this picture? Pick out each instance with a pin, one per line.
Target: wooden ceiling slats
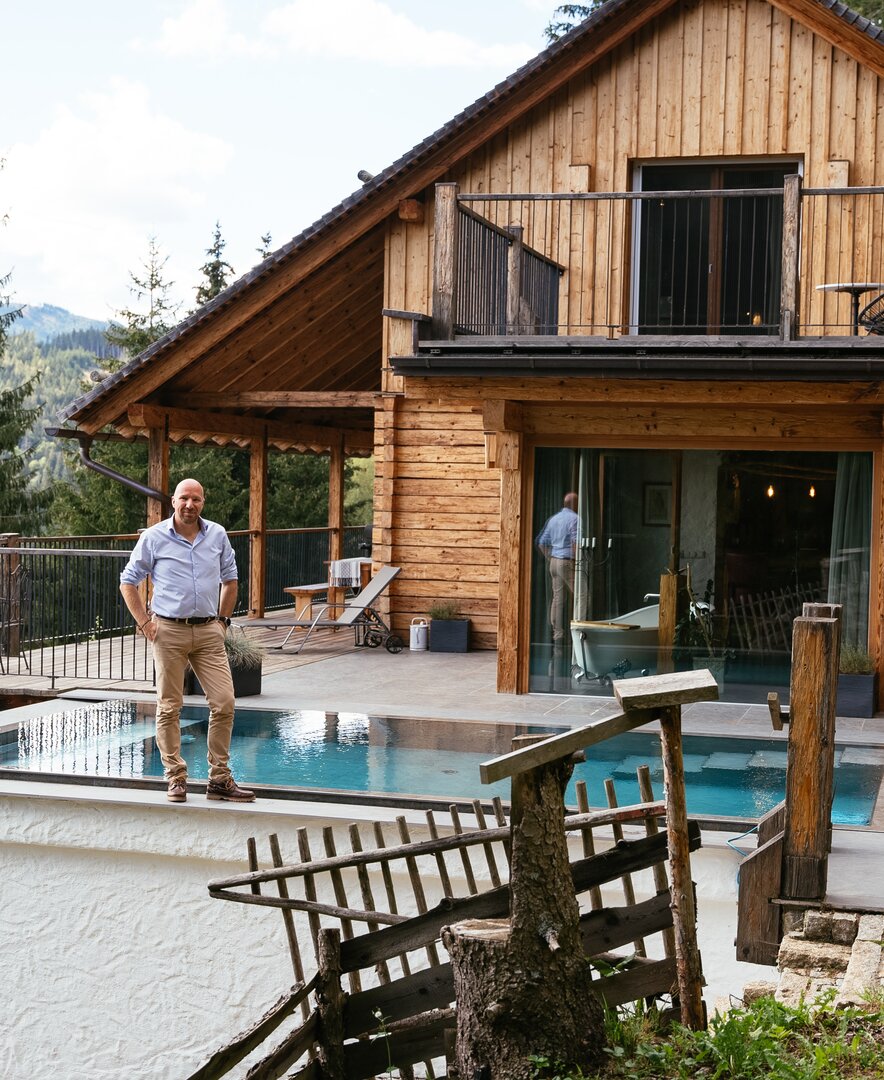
(360, 337)
(291, 326)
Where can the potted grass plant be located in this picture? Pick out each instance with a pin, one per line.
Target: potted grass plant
(246, 659)
(857, 682)
(449, 632)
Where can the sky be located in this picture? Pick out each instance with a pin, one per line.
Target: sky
(126, 121)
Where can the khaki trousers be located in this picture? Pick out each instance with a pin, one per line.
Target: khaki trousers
(202, 647)
(561, 572)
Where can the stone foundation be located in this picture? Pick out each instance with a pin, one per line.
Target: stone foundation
(840, 950)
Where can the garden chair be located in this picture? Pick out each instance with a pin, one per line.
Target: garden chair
(872, 316)
(359, 613)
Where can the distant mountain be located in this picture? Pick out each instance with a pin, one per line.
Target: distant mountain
(47, 321)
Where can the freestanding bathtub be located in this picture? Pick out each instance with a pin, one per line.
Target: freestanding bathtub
(613, 648)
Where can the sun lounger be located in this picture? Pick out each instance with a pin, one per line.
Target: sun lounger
(359, 613)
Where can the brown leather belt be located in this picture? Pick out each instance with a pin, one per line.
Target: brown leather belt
(191, 620)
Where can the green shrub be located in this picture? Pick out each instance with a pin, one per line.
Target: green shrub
(855, 661)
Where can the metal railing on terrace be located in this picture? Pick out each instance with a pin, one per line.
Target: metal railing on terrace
(62, 615)
(773, 261)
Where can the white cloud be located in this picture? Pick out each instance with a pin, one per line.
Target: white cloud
(372, 30)
(203, 29)
(367, 30)
(85, 195)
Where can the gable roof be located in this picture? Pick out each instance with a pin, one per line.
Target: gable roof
(293, 264)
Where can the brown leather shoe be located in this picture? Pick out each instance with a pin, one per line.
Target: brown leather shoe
(228, 790)
(177, 789)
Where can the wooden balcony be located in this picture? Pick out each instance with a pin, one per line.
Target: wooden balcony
(763, 267)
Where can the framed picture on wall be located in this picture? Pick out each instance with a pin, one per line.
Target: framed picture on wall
(657, 504)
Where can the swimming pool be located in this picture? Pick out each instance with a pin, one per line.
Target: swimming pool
(354, 753)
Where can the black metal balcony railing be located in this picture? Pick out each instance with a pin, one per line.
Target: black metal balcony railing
(62, 615)
(738, 262)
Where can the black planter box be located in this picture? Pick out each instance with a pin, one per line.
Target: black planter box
(449, 635)
(246, 682)
(857, 695)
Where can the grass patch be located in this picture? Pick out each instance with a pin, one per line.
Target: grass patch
(764, 1041)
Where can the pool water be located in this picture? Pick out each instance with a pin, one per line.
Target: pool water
(350, 752)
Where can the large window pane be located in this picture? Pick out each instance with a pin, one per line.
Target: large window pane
(760, 532)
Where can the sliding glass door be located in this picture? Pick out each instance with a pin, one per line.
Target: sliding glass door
(758, 532)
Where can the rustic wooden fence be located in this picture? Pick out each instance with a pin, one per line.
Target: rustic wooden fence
(398, 1011)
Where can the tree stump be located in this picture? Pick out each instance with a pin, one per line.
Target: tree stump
(523, 985)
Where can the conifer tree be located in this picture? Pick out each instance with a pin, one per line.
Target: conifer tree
(134, 330)
(215, 270)
(19, 506)
(265, 250)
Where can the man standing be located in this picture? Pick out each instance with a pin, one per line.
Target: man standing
(557, 543)
(188, 559)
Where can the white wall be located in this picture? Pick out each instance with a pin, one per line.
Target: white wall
(114, 959)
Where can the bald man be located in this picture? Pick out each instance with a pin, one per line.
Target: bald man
(193, 571)
(557, 542)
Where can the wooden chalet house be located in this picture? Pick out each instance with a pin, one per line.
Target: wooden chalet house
(603, 278)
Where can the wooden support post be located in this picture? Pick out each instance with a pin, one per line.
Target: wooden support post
(667, 693)
(810, 764)
(336, 501)
(673, 608)
(829, 611)
(791, 228)
(157, 471)
(445, 262)
(509, 623)
(681, 888)
(330, 1001)
(514, 281)
(257, 526)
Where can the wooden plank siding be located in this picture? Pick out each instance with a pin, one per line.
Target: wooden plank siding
(444, 525)
(704, 79)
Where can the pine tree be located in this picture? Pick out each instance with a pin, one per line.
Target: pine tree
(565, 17)
(136, 330)
(19, 506)
(215, 270)
(265, 251)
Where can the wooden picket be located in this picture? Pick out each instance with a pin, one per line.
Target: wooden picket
(407, 1016)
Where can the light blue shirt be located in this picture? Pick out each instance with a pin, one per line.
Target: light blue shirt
(186, 576)
(559, 534)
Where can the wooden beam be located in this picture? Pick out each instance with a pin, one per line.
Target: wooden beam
(816, 644)
(336, 502)
(501, 415)
(157, 471)
(274, 399)
(247, 427)
(832, 28)
(559, 746)
(445, 246)
(257, 526)
(650, 391)
(508, 604)
(789, 285)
